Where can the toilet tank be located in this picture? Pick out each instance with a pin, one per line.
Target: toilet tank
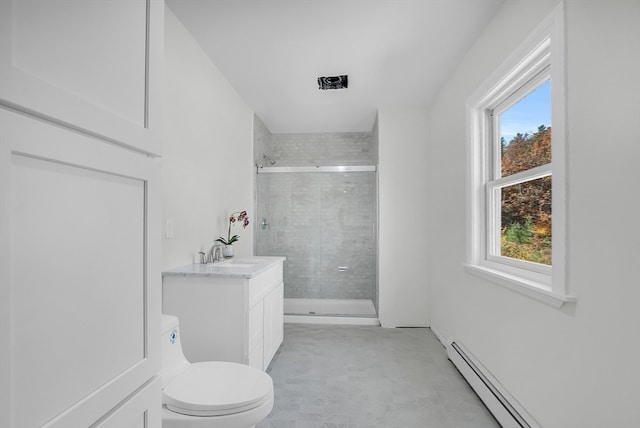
(173, 359)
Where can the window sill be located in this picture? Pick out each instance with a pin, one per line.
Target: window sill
(520, 285)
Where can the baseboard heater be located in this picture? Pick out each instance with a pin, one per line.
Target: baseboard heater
(504, 408)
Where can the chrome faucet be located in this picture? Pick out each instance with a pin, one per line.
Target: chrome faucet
(217, 252)
(214, 254)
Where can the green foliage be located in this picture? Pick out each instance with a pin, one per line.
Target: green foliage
(532, 198)
(526, 242)
(228, 241)
(526, 207)
(520, 233)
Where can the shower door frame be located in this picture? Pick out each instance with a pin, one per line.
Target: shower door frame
(325, 169)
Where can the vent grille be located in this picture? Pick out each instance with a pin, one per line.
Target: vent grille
(333, 82)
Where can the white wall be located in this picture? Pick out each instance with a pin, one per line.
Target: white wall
(208, 150)
(576, 366)
(403, 207)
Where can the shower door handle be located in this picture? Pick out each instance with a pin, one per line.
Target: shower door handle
(264, 225)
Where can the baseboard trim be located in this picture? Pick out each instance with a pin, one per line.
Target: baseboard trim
(319, 319)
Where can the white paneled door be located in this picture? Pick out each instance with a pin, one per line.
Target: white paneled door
(80, 286)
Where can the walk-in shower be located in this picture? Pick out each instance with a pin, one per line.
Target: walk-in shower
(324, 220)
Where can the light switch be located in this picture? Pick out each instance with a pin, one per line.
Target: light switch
(168, 229)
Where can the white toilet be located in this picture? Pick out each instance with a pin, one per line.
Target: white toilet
(212, 394)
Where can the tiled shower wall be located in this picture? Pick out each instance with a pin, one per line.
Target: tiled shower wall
(261, 140)
(353, 148)
(322, 222)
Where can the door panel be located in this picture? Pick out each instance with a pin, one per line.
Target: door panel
(70, 227)
(140, 411)
(91, 65)
(79, 274)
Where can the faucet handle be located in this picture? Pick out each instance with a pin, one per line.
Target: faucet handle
(217, 252)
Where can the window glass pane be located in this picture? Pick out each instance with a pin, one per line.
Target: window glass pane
(525, 132)
(526, 221)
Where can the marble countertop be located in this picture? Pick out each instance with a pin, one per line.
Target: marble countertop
(241, 267)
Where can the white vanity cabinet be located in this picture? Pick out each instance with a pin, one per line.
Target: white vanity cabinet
(228, 311)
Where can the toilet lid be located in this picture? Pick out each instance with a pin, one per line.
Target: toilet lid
(217, 388)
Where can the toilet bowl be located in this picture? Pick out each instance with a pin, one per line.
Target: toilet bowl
(212, 394)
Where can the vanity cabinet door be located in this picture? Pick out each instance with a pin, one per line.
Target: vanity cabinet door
(256, 335)
(273, 323)
(256, 356)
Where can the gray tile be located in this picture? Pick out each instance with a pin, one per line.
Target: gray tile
(368, 377)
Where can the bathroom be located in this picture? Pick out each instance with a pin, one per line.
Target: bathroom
(215, 136)
(212, 133)
(569, 366)
(422, 210)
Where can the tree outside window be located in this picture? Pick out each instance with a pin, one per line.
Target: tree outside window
(525, 207)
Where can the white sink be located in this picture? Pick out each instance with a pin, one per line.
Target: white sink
(234, 264)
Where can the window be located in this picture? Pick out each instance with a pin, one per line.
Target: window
(516, 146)
(519, 186)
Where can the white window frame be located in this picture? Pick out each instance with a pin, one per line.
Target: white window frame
(539, 58)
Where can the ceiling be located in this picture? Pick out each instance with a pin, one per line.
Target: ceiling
(397, 53)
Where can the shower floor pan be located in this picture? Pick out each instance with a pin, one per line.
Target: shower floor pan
(330, 311)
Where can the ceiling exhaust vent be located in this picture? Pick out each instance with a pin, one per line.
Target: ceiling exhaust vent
(333, 82)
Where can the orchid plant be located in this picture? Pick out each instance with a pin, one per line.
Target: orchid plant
(237, 217)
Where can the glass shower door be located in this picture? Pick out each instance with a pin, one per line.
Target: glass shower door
(325, 224)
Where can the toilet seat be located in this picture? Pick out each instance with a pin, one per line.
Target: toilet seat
(216, 388)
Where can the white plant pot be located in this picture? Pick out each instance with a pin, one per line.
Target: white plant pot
(227, 251)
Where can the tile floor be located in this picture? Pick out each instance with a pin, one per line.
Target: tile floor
(328, 376)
